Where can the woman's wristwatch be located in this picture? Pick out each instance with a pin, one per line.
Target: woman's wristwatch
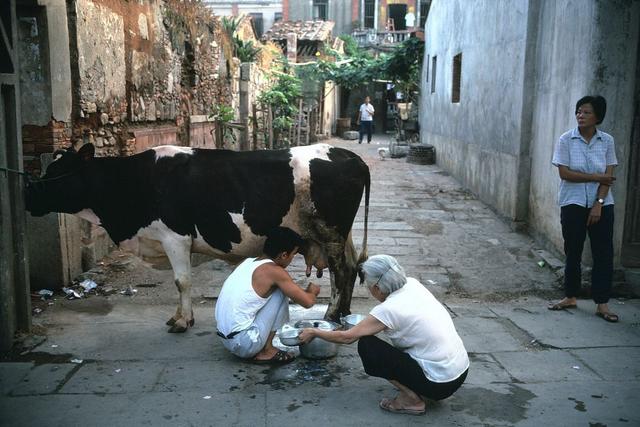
(601, 201)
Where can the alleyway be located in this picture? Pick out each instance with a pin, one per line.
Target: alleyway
(529, 366)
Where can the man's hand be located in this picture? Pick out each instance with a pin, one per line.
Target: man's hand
(313, 289)
(594, 214)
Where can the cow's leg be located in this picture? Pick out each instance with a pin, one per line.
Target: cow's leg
(178, 249)
(342, 265)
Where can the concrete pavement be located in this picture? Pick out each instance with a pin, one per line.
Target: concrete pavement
(108, 360)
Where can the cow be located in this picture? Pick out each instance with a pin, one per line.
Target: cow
(173, 201)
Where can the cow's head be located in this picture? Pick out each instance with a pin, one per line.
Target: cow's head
(65, 185)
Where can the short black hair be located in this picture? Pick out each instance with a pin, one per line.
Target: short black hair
(281, 239)
(598, 103)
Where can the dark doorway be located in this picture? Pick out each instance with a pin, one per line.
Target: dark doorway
(397, 12)
(631, 235)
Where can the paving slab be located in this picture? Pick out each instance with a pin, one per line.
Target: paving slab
(612, 363)
(588, 403)
(12, 374)
(544, 366)
(484, 369)
(44, 379)
(486, 335)
(578, 327)
(121, 336)
(114, 377)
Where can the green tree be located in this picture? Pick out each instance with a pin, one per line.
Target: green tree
(283, 98)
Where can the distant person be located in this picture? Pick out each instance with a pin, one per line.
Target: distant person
(585, 157)
(254, 300)
(365, 119)
(410, 19)
(426, 357)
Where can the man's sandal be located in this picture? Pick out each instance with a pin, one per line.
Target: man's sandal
(280, 358)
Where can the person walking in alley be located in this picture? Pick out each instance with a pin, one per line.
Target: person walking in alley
(254, 300)
(426, 357)
(585, 157)
(365, 119)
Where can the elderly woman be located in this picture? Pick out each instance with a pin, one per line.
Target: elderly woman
(585, 157)
(426, 359)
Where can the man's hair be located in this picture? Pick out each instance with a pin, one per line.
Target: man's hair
(598, 103)
(281, 239)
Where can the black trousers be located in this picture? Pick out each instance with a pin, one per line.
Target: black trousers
(574, 231)
(366, 126)
(382, 360)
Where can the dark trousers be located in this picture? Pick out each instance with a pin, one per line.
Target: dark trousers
(366, 126)
(574, 231)
(382, 360)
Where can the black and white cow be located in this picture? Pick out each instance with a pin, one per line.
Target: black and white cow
(172, 201)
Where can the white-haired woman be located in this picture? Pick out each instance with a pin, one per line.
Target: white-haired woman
(426, 359)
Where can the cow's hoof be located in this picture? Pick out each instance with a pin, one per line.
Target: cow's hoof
(192, 322)
(177, 329)
(171, 322)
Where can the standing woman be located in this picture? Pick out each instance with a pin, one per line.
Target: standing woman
(426, 357)
(585, 157)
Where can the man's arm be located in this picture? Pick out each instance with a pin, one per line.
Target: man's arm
(306, 298)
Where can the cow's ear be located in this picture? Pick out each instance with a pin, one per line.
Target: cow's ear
(86, 152)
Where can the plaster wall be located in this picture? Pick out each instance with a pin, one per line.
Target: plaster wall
(340, 13)
(34, 76)
(59, 58)
(101, 56)
(486, 124)
(608, 35)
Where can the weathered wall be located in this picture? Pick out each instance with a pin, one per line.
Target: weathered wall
(608, 35)
(478, 139)
(100, 34)
(142, 72)
(340, 13)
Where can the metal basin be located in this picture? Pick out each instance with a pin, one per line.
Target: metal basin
(352, 320)
(318, 348)
(289, 336)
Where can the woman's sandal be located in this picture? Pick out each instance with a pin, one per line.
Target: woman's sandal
(559, 306)
(609, 317)
(385, 404)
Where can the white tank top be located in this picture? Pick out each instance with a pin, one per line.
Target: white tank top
(238, 302)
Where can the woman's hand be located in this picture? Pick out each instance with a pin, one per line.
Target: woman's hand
(306, 335)
(605, 179)
(594, 214)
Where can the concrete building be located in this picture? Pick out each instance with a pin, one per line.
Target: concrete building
(15, 299)
(263, 12)
(499, 86)
(351, 15)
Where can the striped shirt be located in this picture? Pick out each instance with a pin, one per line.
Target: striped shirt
(574, 152)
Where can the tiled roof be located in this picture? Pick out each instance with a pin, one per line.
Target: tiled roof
(306, 30)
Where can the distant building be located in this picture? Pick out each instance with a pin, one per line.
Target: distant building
(263, 12)
(352, 15)
(499, 86)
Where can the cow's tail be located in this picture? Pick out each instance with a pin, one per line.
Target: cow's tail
(363, 254)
